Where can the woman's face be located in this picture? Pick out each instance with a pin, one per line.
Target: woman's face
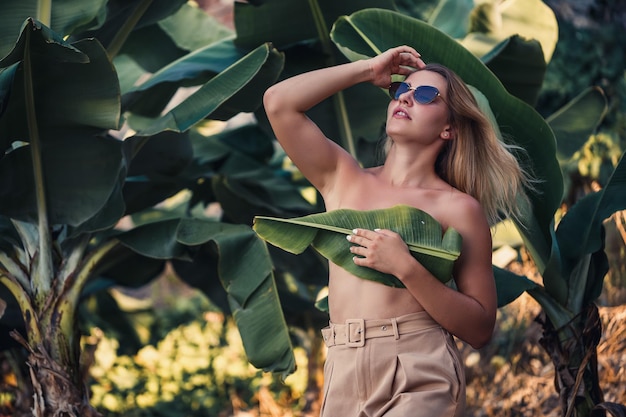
(408, 119)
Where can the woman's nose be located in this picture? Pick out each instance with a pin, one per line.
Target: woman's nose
(406, 97)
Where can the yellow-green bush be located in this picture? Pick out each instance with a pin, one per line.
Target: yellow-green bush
(198, 369)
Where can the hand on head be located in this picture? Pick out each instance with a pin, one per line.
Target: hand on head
(401, 60)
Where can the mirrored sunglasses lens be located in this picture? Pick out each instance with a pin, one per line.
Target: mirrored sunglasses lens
(397, 89)
(392, 90)
(425, 94)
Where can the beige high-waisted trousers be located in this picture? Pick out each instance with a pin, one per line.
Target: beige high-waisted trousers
(402, 367)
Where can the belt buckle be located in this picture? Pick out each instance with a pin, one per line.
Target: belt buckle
(360, 324)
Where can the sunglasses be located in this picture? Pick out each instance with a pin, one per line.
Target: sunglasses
(423, 94)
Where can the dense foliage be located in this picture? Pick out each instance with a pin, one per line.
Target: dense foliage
(121, 158)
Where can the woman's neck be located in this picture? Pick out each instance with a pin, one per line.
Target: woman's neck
(403, 168)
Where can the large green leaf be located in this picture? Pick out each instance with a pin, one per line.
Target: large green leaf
(285, 23)
(157, 239)
(369, 32)
(252, 293)
(251, 289)
(237, 89)
(67, 15)
(120, 12)
(193, 28)
(530, 19)
(518, 63)
(75, 85)
(156, 169)
(245, 197)
(452, 17)
(151, 48)
(577, 120)
(509, 285)
(195, 68)
(300, 29)
(326, 232)
(80, 176)
(580, 231)
(77, 98)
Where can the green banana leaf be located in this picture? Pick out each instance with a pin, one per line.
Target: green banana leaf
(572, 125)
(577, 120)
(195, 68)
(67, 16)
(118, 14)
(518, 63)
(149, 49)
(452, 17)
(531, 19)
(224, 96)
(300, 29)
(77, 99)
(509, 39)
(326, 232)
(252, 294)
(580, 232)
(192, 28)
(510, 285)
(244, 197)
(286, 23)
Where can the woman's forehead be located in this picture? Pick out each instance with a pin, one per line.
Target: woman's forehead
(425, 77)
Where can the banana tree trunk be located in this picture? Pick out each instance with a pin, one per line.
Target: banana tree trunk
(573, 351)
(54, 363)
(52, 334)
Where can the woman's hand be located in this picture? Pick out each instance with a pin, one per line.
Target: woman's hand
(401, 60)
(380, 249)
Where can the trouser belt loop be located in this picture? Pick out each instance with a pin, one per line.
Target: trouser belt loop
(394, 324)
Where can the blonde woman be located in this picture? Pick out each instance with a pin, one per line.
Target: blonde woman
(391, 350)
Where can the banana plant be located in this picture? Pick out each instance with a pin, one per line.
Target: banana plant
(68, 179)
(569, 256)
(527, 29)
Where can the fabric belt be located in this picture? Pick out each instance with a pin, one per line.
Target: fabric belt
(354, 332)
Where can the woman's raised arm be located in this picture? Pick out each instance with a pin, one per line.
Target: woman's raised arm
(286, 103)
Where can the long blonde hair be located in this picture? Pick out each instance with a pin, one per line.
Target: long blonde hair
(476, 161)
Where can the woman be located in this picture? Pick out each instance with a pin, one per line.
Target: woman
(390, 350)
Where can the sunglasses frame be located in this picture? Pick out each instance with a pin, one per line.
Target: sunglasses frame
(393, 92)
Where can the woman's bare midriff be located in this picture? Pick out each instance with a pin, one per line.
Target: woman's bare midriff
(351, 297)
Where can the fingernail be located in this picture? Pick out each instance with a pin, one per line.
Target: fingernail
(354, 231)
(349, 237)
(377, 230)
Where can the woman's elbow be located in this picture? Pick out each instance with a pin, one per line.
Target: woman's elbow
(272, 101)
(483, 335)
(480, 340)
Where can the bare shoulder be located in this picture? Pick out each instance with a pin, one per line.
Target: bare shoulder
(463, 212)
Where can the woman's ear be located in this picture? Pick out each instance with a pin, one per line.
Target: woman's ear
(447, 133)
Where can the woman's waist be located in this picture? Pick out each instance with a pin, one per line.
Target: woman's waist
(362, 299)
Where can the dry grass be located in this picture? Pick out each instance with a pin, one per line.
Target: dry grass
(523, 384)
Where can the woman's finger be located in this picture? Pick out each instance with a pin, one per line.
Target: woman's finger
(357, 240)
